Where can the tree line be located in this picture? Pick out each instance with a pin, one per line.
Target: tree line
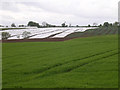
(45, 24)
(106, 26)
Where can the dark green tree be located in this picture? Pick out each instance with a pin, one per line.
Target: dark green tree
(106, 24)
(100, 25)
(31, 23)
(116, 24)
(21, 25)
(63, 25)
(89, 25)
(13, 25)
(110, 24)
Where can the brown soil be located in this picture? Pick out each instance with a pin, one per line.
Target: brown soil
(36, 40)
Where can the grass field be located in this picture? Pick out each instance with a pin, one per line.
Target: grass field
(90, 62)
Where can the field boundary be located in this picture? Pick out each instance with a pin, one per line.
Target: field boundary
(41, 40)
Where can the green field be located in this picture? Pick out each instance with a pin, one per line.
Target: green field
(95, 32)
(90, 62)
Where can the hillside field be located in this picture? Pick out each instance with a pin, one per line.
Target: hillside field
(89, 62)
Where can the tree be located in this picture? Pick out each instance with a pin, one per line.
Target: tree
(95, 24)
(106, 24)
(89, 25)
(13, 25)
(26, 34)
(70, 25)
(5, 35)
(44, 24)
(34, 24)
(111, 24)
(116, 24)
(63, 24)
(21, 25)
(100, 25)
(18, 36)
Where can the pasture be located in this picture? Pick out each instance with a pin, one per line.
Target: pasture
(90, 62)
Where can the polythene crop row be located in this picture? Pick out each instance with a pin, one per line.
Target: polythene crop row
(43, 32)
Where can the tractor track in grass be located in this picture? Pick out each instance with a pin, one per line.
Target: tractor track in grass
(60, 64)
(69, 69)
(42, 72)
(74, 67)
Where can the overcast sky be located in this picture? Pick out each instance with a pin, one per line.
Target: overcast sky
(76, 12)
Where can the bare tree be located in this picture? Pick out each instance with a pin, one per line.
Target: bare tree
(95, 24)
(5, 35)
(26, 34)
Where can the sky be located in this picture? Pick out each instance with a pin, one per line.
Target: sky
(75, 12)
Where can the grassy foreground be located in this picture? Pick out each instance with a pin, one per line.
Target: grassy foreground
(90, 62)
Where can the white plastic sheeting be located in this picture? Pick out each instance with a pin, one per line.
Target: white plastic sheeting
(43, 32)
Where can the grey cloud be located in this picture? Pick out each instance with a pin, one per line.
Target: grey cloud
(9, 6)
(76, 7)
(73, 11)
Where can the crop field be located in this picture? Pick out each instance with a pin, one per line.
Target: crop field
(90, 62)
(43, 32)
(94, 32)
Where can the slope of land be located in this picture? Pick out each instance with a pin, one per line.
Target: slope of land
(94, 32)
(90, 62)
(88, 33)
